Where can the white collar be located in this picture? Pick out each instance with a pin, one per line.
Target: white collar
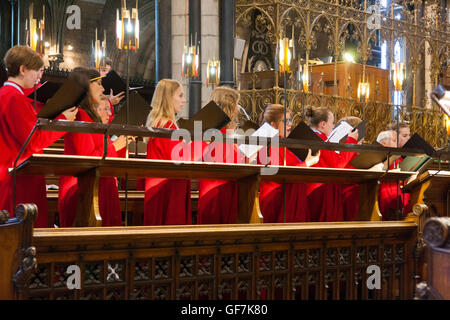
(15, 85)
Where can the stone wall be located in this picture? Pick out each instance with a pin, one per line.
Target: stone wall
(209, 42)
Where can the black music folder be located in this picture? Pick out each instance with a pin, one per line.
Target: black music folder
(361, 132)
(69, 95)
(113, 81)
(304, 132)
(248, 124)
(211, 116)
(138, 114)
(367, 159)
(45, 91)
(417, 142)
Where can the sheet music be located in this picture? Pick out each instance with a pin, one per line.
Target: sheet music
(445, 101)
(340, 132)
(267, 131)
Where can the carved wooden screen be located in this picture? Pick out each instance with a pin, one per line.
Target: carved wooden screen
(276, 262)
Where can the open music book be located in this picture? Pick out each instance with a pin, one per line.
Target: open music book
(267, 131)
(211, 117)
(139, 111)
(45, 91)
(69, 95)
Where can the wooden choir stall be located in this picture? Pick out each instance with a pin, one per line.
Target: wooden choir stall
(247, 261)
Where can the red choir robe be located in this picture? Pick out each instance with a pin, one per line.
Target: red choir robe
(271, 198)
(218, 199)
(167, 201)
(86, 144)
(325, 199)
(387, 197)
(17, 119)
(350, 195)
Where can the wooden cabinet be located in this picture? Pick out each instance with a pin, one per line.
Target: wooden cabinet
(348, 75)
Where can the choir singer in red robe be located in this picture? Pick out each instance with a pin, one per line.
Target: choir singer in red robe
(271, 198)
(390, 196)
(218, 199)
(17, 119)
(325, 199)
(95, 108)
(167, 201)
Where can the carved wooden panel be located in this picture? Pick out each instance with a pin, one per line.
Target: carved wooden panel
(238, 262)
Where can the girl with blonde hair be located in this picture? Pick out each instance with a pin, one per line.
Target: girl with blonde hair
(167, 201)
(218, 199)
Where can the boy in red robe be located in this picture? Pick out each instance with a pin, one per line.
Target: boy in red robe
(17, 120)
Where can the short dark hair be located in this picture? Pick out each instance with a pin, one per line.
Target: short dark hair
(108, 62)
(22, 56)
(317, 115)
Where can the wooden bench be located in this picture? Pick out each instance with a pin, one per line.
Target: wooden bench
(89, 169)
(135, 206)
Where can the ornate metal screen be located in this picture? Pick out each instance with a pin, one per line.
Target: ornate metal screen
(332, 26)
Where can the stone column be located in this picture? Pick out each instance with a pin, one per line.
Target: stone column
(164, 35)
(195, 33)
(227, 34)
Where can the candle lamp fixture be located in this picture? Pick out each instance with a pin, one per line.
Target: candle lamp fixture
(213, 73)
(190, 60)
(398, 75)
(100, 50)
(127, 28)
(363, 92)
(304, 77)
(285, 55)
(35, 30)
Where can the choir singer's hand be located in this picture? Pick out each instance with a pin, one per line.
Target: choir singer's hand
(71, 113)
(120, 143)
(312, 160)
(354, 134)
(115, 99)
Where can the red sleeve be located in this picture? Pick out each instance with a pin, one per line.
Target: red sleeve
(346, 157)
(331, 159)
(22, 119)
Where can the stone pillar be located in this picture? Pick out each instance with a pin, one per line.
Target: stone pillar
(195, 33)
(227, 34)
(164, 46)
